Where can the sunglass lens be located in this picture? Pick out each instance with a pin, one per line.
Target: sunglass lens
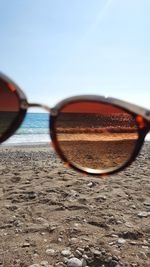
(9, 107)
(96, 137)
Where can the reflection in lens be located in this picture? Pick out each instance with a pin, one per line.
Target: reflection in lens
(9, 107)
(96, 135)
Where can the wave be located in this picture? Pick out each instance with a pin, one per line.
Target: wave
(30, 131)
(28, 139)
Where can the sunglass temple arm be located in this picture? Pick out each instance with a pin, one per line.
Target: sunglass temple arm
(30, 105)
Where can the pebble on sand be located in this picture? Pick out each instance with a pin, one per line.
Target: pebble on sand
(144, 214)
(74, 262)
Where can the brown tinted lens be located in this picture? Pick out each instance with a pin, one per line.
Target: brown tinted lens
(9, 107)
(96, 135)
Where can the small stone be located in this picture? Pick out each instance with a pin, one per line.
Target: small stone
(147, 204)
(44, 263)
(96, 252)
(114, 235)
(34, 265)
(43, 233)
(52, 228)
(25, 245)
(65, 260)
(145, 242)
(84, 263)
(79, 253)
(76, 224)
(73, 239)
(46, 225)
(66, 252)
(50, 252)
(35, 255)
(115, 258)
(133, 243)
(111, 243)
(119, 222)
(109, 259)
(80, 249)
(74, 262)
(84, 256)
(129, 225)
(121, 241)
(90, 184)
(144, 214)
(145, 247)
(103, 251)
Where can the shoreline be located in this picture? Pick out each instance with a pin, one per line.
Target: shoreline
(24, 144)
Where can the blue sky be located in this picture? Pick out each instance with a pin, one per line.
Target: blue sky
(56, 49)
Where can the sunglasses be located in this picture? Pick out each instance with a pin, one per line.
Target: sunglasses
(92, 134)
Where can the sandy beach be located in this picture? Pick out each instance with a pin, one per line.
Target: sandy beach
(51, 214)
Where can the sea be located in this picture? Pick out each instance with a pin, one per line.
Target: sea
(34, 130)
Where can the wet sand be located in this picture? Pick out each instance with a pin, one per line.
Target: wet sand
(46, 208)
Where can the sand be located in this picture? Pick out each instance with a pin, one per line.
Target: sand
(46, 208)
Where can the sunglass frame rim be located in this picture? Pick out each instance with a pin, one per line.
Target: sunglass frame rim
(23, 105)
(138, 110)
(99, 99)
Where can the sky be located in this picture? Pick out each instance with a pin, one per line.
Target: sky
(55, 49)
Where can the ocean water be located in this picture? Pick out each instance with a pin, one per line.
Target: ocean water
(34, 130)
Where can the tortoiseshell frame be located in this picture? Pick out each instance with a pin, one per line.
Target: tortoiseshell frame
(23, 106)
(141, 116)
